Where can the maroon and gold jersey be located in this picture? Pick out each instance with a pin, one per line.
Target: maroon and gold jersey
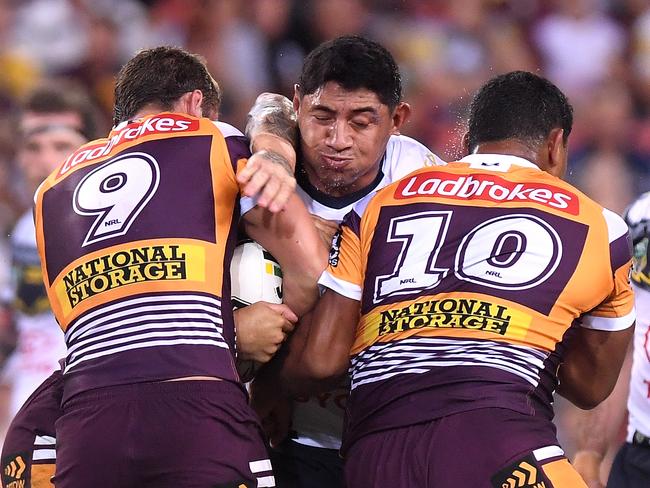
(133, 232)
(471, 278)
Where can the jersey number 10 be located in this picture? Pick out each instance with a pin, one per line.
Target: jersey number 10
(510, 252)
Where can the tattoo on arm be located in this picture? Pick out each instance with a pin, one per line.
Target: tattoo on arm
(277, 159)
(272, 114)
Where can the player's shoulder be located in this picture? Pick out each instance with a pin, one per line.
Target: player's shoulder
(227, 130)
(594, 212)
(616, 226)
(404, 154)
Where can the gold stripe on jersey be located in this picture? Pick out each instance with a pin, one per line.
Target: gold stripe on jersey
(138, 263)
(450, 315)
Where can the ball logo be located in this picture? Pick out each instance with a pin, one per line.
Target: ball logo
(486, 187)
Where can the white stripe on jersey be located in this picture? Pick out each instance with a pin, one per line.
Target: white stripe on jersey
(43, 454)
(140, 345)
(210, 304)
(103, 340)
(266, 482)
(422, 354)
(608, 323)
(548, 452)
(342, 287)
(146, 322)
(44, 440)
(260, 466)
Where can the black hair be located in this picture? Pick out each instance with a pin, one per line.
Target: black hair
(161, 76)
(518, 105)
(353, 62)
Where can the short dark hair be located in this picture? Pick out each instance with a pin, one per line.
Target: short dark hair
(518, 105)
(353, 62)
(59, 96)
(161, 76)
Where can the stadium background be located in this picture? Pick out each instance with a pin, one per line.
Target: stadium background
(597, 51)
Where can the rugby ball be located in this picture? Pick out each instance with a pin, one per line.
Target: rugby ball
(255, 276)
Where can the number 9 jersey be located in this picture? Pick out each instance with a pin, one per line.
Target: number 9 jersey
(471, 278)
(133, 232)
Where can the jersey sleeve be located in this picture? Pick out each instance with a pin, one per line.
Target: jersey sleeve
(239, 151)
(616, 312)
(344, 274)
(405, 155)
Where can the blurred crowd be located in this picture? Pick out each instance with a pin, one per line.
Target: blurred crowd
(597, 51)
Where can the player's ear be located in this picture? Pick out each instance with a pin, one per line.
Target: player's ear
(557, 153)
(190, 103)
(400, 115)
(465, 142)
(296, 98)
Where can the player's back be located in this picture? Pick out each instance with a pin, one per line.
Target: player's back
(474, 275)
(133, 233)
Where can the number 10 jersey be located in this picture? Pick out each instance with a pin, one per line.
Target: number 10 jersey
(471, 279)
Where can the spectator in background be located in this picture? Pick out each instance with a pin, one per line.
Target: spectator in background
(580, 46)
(446, 53)
(640, 53)
(55, 119)
(607, 152)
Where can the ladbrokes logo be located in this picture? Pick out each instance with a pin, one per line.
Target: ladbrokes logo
(486, 187)
(451, 313)
(136, 265)
(153, 125)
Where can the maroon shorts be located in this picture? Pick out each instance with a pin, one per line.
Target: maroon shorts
(28, 453)
(486, 448)
(190, 434)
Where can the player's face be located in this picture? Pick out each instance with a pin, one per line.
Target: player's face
(43, 151)
(344, 135)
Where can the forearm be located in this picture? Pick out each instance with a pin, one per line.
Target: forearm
(592, 365)
(291, 237)
(597, 431)
(320, 348)
(272, 125)
(295, 367)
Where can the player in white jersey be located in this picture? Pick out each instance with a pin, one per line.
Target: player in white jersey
(349, 109)
(631, 466)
